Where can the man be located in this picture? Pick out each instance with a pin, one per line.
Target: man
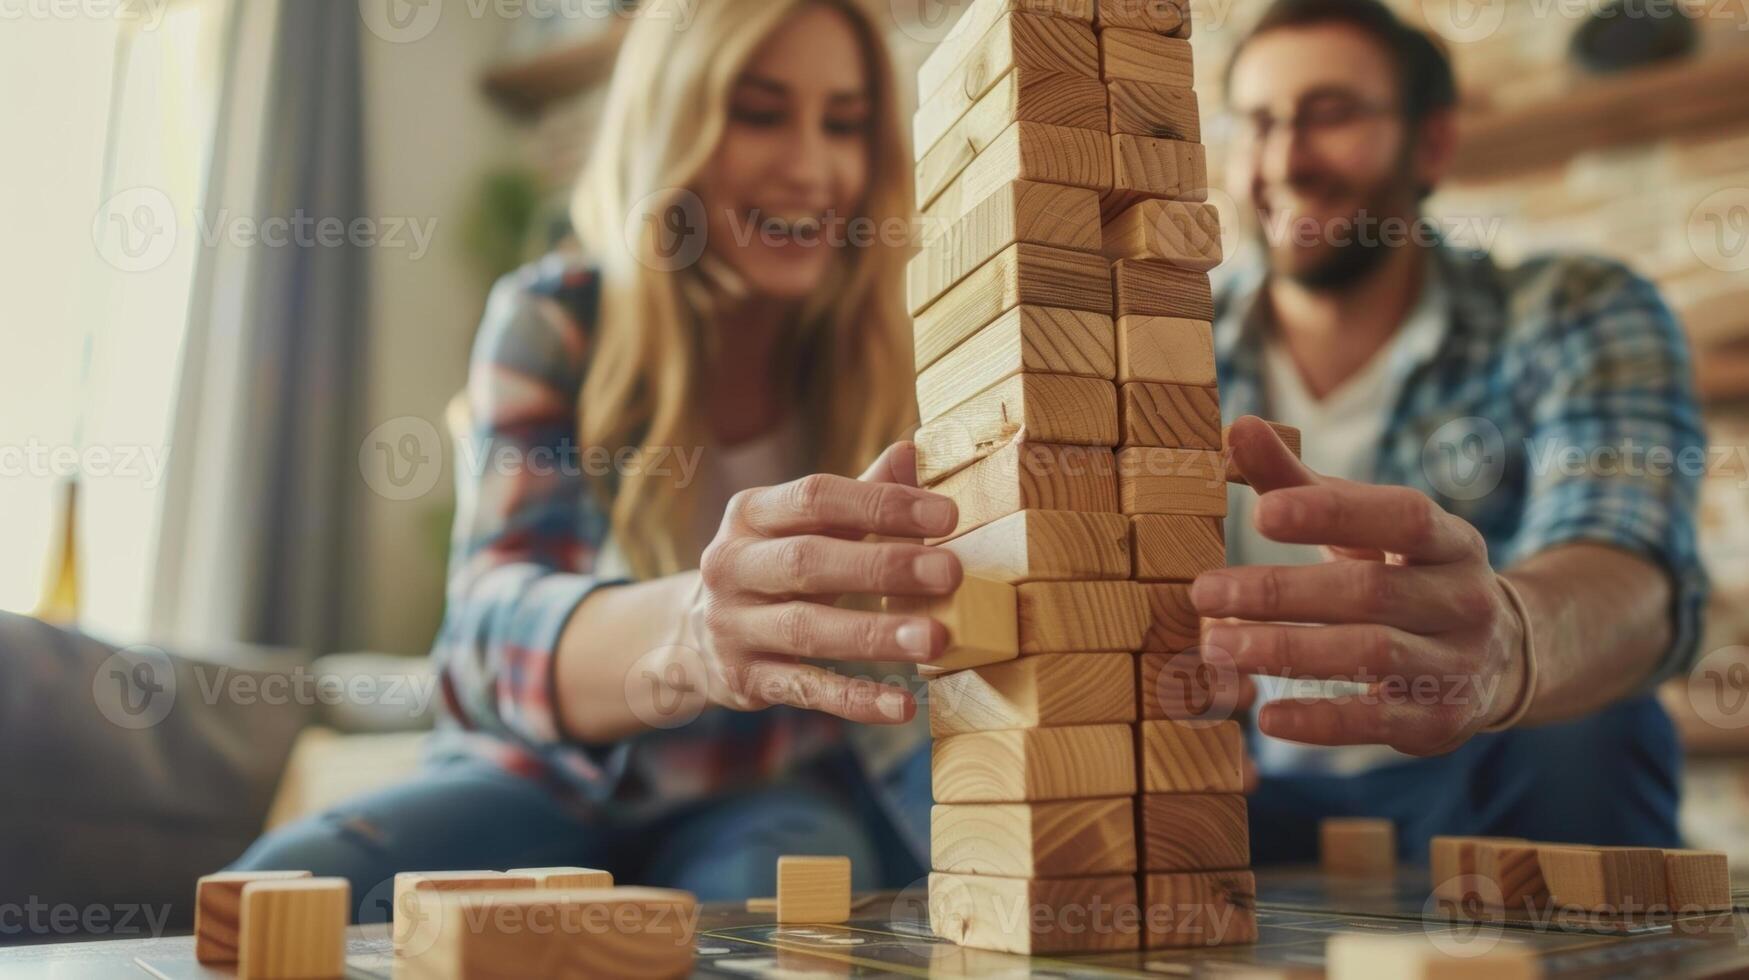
(1460, 420)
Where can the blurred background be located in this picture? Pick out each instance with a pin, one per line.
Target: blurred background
(246, 244)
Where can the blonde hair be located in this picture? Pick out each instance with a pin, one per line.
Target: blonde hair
(666, 110)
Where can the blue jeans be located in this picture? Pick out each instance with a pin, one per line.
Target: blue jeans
(1609, 778)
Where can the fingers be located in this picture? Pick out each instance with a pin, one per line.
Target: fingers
(1416, 600)
(1264, 459)
(809, 629)
(898, 464)
(822, 503)
(1364, 652)
(1408, 728)
(819, 565)
(1395, 520)
(856, 699)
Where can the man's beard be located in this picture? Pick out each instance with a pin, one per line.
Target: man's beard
(1339, 266)
(1333, 266)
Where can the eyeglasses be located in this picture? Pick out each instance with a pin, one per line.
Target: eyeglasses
(1313, 118)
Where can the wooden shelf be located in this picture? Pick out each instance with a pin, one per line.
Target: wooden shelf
(523, 88)
(1638, 106)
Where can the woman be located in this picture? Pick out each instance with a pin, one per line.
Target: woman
(620, 658)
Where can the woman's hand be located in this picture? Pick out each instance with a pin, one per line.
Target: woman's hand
(780, 559)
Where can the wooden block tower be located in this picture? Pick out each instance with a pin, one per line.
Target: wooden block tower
(1066, 383)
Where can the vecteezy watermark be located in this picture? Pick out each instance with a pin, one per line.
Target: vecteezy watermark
(406, 21)
(37, 919)
(1718, 229)
(135, 687)
(668, 687)
(932, 22)
(1465, 458)
(1467, 21)
(1198, 687)
(145, 464)
(1718, 688)
(143, 14)
(1382, 231)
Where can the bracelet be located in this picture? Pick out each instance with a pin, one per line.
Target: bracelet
(1528, 695)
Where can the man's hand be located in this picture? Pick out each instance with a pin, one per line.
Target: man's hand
(1405, 601)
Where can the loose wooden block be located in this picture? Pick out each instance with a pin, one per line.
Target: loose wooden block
(1616, 880)
(1028, 151)
(1166, 350)
(1146, 57)
(1173, 625)
(1192, 757)
(1172, 481)
(813, 889)
(1060, 839)
(1183, 233)
(1169, 17)
(565, 877)
(1194, 832)
(1203, 908)
(948, 58)
(1357, 847)
(1035, 692)
(218, 909)
(607, 933)
(1149, 287)
(1357, 956)
(1162, 111)
(1046, 546)
(1035, 916)
(1043, 407)
(1035, 275)
(1698, 881)
(1022, 95)
(1515, 871)
(1034, 764)
(1169, 416)
(1171, 548)
(1148, 167)
(1289, 435)
(1452, 864)
(1026, 339)
(1032, 476)
(1076, 617)
(417, 892)
(981, 622)
(1022, 211)
(1184, 687)
(294, 929)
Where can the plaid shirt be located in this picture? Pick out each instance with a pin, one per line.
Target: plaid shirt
(1557, 408)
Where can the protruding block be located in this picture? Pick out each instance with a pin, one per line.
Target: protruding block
(218, 909)
(1149, 287)
(1357, 956)
(1164, 349)
(1035, 692)
(1148, 167)
(1161, 111)
(606, 933)
(1357, 847)
(1075, 617)
(971, 57)
(1029, 151)
(1023, 95)
(1043, 407)
(1034, 764)
(1169, 17)
(1036, 275)
(1173, 625)
(294, 929)
(1032, 476)
(1194, 832)
(1169, 416)
(416, 893)
(1026, 339)
(1289, 436)
(1698, 881)
(1146, 57)
(1172, 481)
(981, 619)
(1184, 233)
(1047, 546)
(813, 889)
(1065, 838)
(1200, 908)
(1192, 757)
(565, 877)
(1614, 880)
(1023, 211)
(1514, 871)
(1035, 916)
(1170, 548)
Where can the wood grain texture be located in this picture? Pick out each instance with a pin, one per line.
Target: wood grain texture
(1148, 287)
(218, 910)
(1169, 17)
(1032, 476)
(1612, 880)
(1034, 764)
(1146, 166)
(1290, 436)
(1194, 832)
(1059, 839)
(1182, 233)
(606, 933)
(1697, 880)
(1022, 95)
(1183, 687)
(294, 929)
(948, 58)
(1357, 847)
(1161, 111)
(1169, 416)
(1029, 151)
(1018, 42)
(1516, 874)
(981, 621)
(1452, 865)
(1035, 916)
(1172, 481)
(1041, 407)
(1166, 350)
(1075, 617)
(1146, 57)
(1035, 692)
(1191, 757)
(1047, 546)
(1200, 908)
(1035, 275)
(1174, 548)
(565, 877)
(813, 889)
(1021, 211)
(418, 892)
(1029, 339)
(1173, 625)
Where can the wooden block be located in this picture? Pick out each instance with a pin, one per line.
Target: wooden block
(1148, 287)
(1172, 481)
(1042, 407)
(1615, 880)
(1146, 109)
(1698, 881)
(1076, 617)
(565, 877)
(1146, 166)
(1029, 151)
(1169, 17)
(1022, 211)
(1182, 233)
(1170, 416)
(1035, 916)
(1026, 339)
(813, 889)
(1173, 625)
(1359, 956)
(606, 933)
(416, 893)
(294, 929)
(1034, 764)
(1035, 692)
(980, 618)
(218, 910)
(1061, 839)
(1166, 350)
(1289, 435)
(1036, 275)
(1200, 908)
(1194, 832)
(1452, 864)
(1144, 56)
(1032, 476)
(948, 57)
(1515, 871)
(1357, 847)
(1192, 757)
(1047, 546)
(1022, 95)
(1184, 687)
(1171, 548)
